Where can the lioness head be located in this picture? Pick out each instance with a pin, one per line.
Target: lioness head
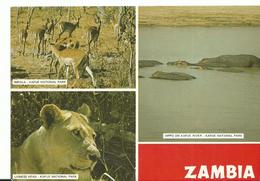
(69, 140)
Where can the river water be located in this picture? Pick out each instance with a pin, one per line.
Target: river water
(218, 102)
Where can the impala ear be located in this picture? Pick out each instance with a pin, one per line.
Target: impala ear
(50, 114)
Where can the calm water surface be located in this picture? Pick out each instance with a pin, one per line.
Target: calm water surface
(215, 101)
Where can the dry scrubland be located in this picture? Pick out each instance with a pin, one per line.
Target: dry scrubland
(110, 63)
(200, 16)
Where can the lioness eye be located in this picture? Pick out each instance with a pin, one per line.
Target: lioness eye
(76, 133)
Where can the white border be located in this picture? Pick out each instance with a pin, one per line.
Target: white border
(75, 90)
(196, 143)
(5, 92)
(5, 61)
(132, 2)
(137, 97)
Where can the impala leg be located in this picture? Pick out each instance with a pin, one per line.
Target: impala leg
(56, 66)
(58, 76)
(95, 44)
(39, 48)
(24, 42)
(42, 49)
(67, 74)
(89, 44)
(23, 39)
(44, 46)
(52, 35)
(20, 41)
(60, 67)
(76, 72)
(60, 35)
(91, 75)
(67, 71)
(51, 65)
(34, 45)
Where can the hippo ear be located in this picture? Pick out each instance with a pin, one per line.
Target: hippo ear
(85, 110)
(50, 114)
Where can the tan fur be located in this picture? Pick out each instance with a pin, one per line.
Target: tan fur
(55, 148)
(75, 58)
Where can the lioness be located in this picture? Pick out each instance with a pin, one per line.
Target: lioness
(63, 144)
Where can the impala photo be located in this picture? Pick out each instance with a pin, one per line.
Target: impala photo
(89, 47)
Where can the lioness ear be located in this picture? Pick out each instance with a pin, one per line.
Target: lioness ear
(85, 110)
(49, 114)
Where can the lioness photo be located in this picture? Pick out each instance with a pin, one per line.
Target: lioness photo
(64, 142)
(59, 133)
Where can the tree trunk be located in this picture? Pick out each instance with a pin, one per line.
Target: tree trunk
(69, 12)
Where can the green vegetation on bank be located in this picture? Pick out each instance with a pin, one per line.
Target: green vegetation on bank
(205, 16)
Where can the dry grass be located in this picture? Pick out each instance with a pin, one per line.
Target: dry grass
(109, 61)
(206, 16)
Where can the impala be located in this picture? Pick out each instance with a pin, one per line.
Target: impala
(68, 27)
(76, 58)
(93, 32)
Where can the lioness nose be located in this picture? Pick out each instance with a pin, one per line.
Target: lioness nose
(94, 154)
(93, 158)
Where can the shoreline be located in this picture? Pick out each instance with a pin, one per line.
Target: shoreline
(200, 16)
(198, 26)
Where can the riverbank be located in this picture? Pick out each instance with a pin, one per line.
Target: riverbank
(214, 16)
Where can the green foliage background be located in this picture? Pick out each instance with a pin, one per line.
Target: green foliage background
(115, 111)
